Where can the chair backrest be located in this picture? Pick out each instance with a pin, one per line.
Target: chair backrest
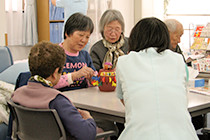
(36, 124)
(5, 58)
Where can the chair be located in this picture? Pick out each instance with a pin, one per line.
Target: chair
(5, 58)
(36, 124)
(105, 135)
(206, 133)
(40, 124)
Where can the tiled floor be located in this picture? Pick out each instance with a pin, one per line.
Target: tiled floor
(19, 52)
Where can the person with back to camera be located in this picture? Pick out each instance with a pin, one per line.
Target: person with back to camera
(46, 62)
(113, 44)
(155, 100)
(78, 68)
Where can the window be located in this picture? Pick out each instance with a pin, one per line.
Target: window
(11, 3)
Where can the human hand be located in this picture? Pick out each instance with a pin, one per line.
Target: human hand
(85, 71)
(85, 114)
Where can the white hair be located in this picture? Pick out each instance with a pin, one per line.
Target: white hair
(109, 16)
(172, 24)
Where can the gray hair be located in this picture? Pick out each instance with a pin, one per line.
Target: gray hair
(109, 16)
(172, 24)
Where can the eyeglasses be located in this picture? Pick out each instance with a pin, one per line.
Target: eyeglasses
(116, 30)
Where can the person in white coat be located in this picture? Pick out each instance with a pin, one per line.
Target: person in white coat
(151, 83)
(71, 7)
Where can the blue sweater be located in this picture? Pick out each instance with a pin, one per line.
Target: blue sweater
(73, 122)
(75, 63)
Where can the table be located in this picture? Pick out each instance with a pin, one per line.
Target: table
(198, 104)
(106, 105)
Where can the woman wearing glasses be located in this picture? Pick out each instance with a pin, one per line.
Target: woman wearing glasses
(113, 44)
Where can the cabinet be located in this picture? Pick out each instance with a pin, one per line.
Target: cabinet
(50, 20)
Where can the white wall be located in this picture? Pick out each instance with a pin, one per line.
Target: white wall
(158, 9)
(137, 10)
(126, 7)
(148, 8)
(3, 25)
(134, 10)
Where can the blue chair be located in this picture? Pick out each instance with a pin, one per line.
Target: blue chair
(5, 58)
(9, 71)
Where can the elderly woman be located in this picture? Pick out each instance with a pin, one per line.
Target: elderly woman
(113, 44)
